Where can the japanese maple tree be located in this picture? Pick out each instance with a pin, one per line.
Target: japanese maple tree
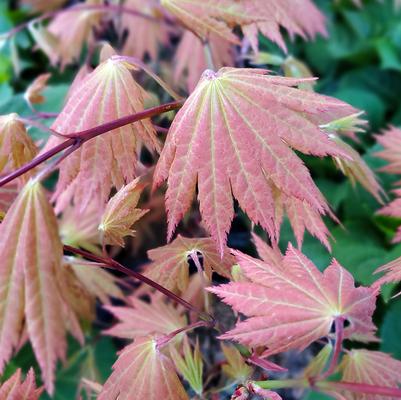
(117, 222)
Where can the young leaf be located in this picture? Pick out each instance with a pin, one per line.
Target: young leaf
(141, 318)
(97, 282)
(370, 367)
(31, 282)
(87, 175)
(73, 29)
(235, 135)
(33, 94)
(142, 371)
(144, 35)
(80, 229)
(190, 365)
(235, 368)
(190, 57)
(121, 213)
(14, 388)
(16, 146)
(170, 267)
(392, 272)
(292, 305)
(266, 16)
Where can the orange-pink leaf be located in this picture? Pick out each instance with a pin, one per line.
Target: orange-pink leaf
(372, 368)
(141, 318)
(292, 305)
(33, 94)
(121, 213)
(254, 16)
(16, 388)
(87, 175)
(144, 35)
(73, 30)
(235, 136)
(142, 371)
(30, 282)
(16, 146)
(170, 267)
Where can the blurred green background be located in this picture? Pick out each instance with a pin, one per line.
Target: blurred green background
(360, 62)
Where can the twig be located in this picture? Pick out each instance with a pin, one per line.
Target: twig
(89, 134)
(110, 263)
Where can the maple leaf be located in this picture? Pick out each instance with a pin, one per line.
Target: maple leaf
(107, 93)
(170, 267)
(73, 29)
(121, 213)
(189, 365)
(97, 282)
(80, 228)
(190, 57)
(370, 367)
(15, 388)
(142, 371)
(236, 368)
(30, 282)
(141, 318)
(144, 35)
(358, 171)
(16, 146)
(393, 209)
(292, 305)
(235, 136)
(33, 94)
(220, 16)
(392, 272)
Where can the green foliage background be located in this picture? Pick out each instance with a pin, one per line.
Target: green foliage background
(360, 63)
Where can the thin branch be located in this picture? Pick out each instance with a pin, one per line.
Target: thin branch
(110, 263)
(361, 388)
(88, 134)
(164, 340)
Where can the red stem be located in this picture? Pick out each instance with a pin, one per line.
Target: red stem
(79, 138)
(161, 342)
(108, 262)
(361, 388)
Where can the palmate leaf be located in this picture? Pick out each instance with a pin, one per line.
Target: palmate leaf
(16, 388)
(142, 371)
(235, 136)
(372, 368)
(31, 282)
(293, 304)
(107, 93)
(140, 318)
(121, 213)
(170, 266)
(267, 16)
